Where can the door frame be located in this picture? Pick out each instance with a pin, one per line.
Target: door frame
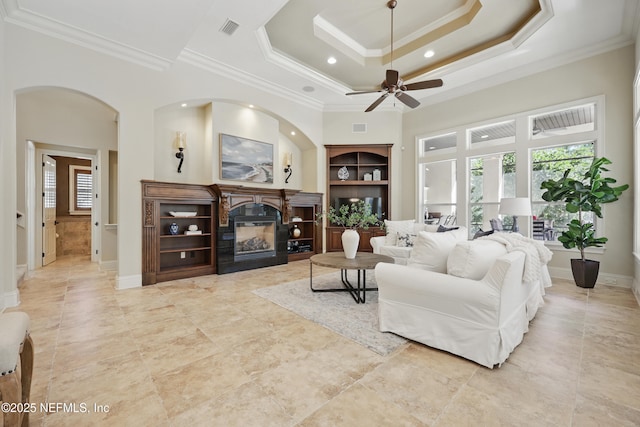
(35, 151)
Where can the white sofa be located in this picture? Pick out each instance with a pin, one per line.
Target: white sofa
(478, 308)
(399, 239)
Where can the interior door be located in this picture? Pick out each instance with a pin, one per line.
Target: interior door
(48, 210)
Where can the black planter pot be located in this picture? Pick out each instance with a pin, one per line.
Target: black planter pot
(585, 273)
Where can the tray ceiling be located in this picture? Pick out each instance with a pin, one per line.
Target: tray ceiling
(282, 46)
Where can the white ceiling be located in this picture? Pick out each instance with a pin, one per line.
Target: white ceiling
(283, 45)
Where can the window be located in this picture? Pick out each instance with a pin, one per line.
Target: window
(491, 178)
(550, 163)
(439, 190)
(563, 122)
(509, 156)
(438, 143)
(495, 133)
(80, 190)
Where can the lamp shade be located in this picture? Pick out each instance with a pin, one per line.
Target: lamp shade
(517, 206)
(181, 140)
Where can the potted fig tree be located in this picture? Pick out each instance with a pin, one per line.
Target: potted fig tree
(583, 195)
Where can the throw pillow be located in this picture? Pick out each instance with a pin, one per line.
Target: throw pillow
(397, 227)
(442, 228)
(473, 259)
(481, 233)
(431, 250)
(406, 240)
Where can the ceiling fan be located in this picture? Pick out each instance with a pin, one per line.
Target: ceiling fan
(393, 84)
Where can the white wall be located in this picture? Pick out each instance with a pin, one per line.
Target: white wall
(136, 93)
(8, 293)
(636, 170)
(609, 74)
(196, 168)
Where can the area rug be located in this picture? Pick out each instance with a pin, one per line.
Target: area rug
(336, 311)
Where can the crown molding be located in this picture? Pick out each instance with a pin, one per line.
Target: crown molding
(206, 63)
(32, 21)
(525, 70)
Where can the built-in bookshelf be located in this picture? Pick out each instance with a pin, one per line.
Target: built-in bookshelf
(358, 172)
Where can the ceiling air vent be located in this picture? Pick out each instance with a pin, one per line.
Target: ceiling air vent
(229, 27)
(359, 128)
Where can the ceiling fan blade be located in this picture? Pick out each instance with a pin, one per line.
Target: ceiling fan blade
(375, 104)
(392, 78)
(407, 100)
(365, 91)
(427, 84)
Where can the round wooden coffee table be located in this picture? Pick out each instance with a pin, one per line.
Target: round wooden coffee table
(361, 263)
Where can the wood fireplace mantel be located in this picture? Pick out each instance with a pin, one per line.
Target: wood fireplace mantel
(232, 196)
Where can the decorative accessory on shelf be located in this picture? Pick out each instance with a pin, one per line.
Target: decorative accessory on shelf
(295, 231)
(368, 177)
(377, 175)
(193, 227)
(343, 173)
(173, 228)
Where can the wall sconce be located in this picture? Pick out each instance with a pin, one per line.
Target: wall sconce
(288, 170)
(180, 144)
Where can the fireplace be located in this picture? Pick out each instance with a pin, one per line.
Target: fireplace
(254, 237)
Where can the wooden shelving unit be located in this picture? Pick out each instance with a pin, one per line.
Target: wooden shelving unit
(361, 162)
(169, 256)
(304, 207)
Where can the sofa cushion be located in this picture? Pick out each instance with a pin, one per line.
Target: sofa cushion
(395, 227)
(397, 252)
(431, 250)
(473, 259)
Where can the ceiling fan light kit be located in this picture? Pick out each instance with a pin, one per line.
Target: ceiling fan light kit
(393, 84)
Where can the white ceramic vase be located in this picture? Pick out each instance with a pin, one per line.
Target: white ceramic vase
(350, 242)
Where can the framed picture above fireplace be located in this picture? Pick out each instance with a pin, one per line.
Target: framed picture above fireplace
(243, 159)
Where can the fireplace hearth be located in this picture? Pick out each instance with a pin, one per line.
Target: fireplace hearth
(254, 237)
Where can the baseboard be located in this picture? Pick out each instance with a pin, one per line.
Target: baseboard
(606, 279)
(21, 273)
(11, 299)
(129, 282)
(109, 265)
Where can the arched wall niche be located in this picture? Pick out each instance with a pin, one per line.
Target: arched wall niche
(203, 120)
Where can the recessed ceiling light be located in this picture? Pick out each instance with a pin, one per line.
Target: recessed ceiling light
(332, 60)
(432, 148)
(293, 132)
(429, 53)
(308, 88)
(484, 136)
(250, 105)
(184, 104)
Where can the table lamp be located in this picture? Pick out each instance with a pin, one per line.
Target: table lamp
(516, 206)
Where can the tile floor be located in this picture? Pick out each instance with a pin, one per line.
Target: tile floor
(206, 351)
